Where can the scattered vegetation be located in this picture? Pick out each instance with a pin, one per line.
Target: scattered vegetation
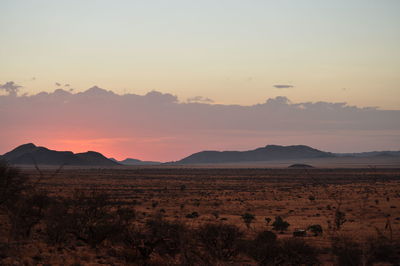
(98, 223)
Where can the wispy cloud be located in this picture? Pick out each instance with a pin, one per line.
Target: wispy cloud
(283, 86)
(199, 99)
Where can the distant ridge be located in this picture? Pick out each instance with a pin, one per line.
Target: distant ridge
(267, 153)
(29, 154)
(130, 161)
(371, 154)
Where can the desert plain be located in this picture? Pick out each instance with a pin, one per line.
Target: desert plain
(368, 200)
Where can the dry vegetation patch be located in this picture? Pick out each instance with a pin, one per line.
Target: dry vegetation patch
(182, 216)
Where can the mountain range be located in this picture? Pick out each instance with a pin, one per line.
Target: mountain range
(130, 161)
(267, 153)
(29, 154)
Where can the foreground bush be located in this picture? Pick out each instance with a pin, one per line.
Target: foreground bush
(28, 212)
(12, 185)
(373, 250)
(220, 242)
(295, 251)
(266, 249)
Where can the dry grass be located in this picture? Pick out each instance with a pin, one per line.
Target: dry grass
(368, 198)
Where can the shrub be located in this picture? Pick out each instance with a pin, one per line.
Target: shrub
(91, 218)
(264, 248)
(158, 236)
(28, 212)
(279, 224)
(266, 237)
(248, 218)
(192, 215)
(57, 222)
(316, 229)
(220, 241)
(295, 251)
(346, 251)
(12, 184)
(340, 219)
(125, 215)
(381, 249)
(167, 235)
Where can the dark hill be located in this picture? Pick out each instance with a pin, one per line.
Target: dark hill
(300, 166)
(29, 154)
(267, 153)
(130, 161)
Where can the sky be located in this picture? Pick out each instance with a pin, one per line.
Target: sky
(220, 55)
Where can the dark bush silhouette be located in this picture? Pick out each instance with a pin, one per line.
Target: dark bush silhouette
(192, 215)
(91, 218)
(347, 251)
(12, 184)
(137, 246)
(295, 251)
(264, 248)
(125, 215)
(167, 239)
(340, 219)
(381, 249)
(266, 237)
(28, 212)
(279, 224)
(316, 229)
(248, 218)
(220, 242)
(168, 235)
(57, 222)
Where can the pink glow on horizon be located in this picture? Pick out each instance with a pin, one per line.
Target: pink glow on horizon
(158, 127)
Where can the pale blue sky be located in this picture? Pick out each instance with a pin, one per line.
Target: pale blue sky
(230, 51)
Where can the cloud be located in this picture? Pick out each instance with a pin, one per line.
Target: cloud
(131, 123)
(199, 99)
(279, 100)
(158, 97)
(57, 84)
(11, 88)
(283, 86)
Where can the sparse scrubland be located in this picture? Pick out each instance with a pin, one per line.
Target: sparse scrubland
(183, 216)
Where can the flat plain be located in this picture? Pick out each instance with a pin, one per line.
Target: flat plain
(369, 198)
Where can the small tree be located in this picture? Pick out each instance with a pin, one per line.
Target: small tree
(316, 229)
(340, 219)
(267, 220)
(279, 224)
(248, 218)
(220, 241)
(12, 184)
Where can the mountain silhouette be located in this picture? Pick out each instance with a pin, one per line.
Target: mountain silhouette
(130, 161)
(29, 154)
(267, 153)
